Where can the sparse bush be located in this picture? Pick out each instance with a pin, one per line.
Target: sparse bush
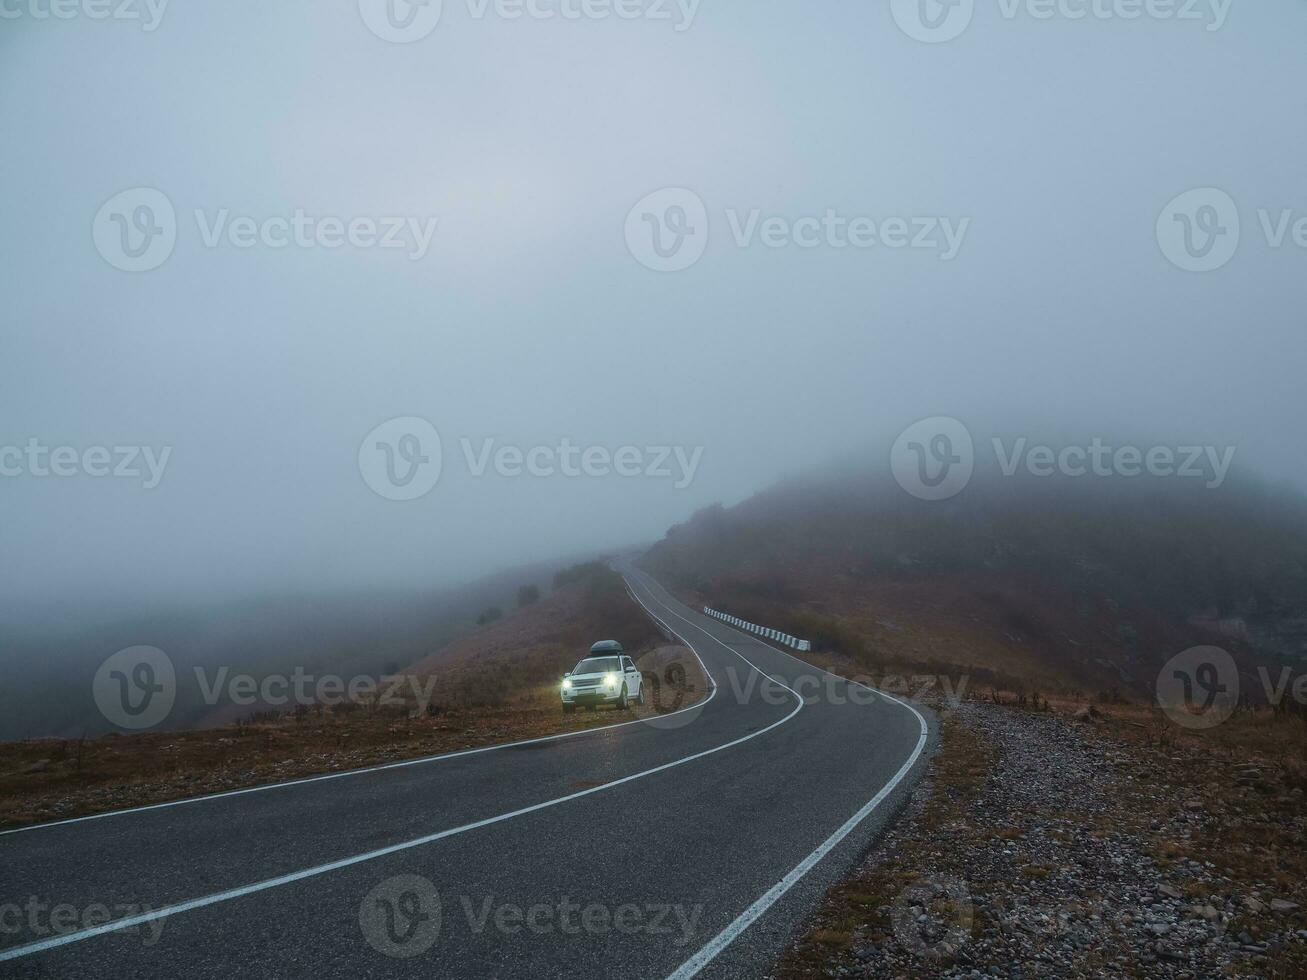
(578, 573)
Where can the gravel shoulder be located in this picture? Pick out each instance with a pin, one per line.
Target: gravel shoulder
(1049, 844)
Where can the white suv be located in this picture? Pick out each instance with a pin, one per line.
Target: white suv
(607, 676)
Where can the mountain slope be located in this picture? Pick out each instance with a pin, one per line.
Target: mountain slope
(1064, 584)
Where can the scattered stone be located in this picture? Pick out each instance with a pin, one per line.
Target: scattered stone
(1061, 872)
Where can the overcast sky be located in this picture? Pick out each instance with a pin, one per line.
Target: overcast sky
(1051, 147)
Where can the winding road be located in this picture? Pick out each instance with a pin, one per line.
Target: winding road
(688, 844)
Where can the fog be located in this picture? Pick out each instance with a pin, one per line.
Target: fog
(1050, 146)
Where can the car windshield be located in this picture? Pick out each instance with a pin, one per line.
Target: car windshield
(597, 665)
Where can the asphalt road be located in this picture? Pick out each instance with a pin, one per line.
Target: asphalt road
(691, 843)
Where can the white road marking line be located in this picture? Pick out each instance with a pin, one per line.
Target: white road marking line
(706, 673)
(750, 915)
(30, 949)
(714, 946)
(426, 760)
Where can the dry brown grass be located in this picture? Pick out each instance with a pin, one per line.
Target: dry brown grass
(1250, 830)
(857, 905)
(497, 685)
(50, 779)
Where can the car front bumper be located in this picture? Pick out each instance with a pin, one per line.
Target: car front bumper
(597, 695)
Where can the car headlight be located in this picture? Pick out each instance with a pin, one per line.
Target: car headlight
(610, 680)
(567, 685)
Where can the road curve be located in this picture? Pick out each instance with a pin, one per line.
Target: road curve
(690, 844)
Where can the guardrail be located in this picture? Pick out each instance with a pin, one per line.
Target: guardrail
(763, 631)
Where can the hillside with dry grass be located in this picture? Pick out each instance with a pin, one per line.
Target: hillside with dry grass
(496, 684)
(540, 641)
(50, 654)
(1067, 821)
(1060, 586)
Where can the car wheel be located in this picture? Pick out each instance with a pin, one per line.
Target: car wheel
(621, 699)
(640, 699)
(569, 709)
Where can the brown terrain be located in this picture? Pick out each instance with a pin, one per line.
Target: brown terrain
(496, 685)
(1061, 840)
(1067, 826)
